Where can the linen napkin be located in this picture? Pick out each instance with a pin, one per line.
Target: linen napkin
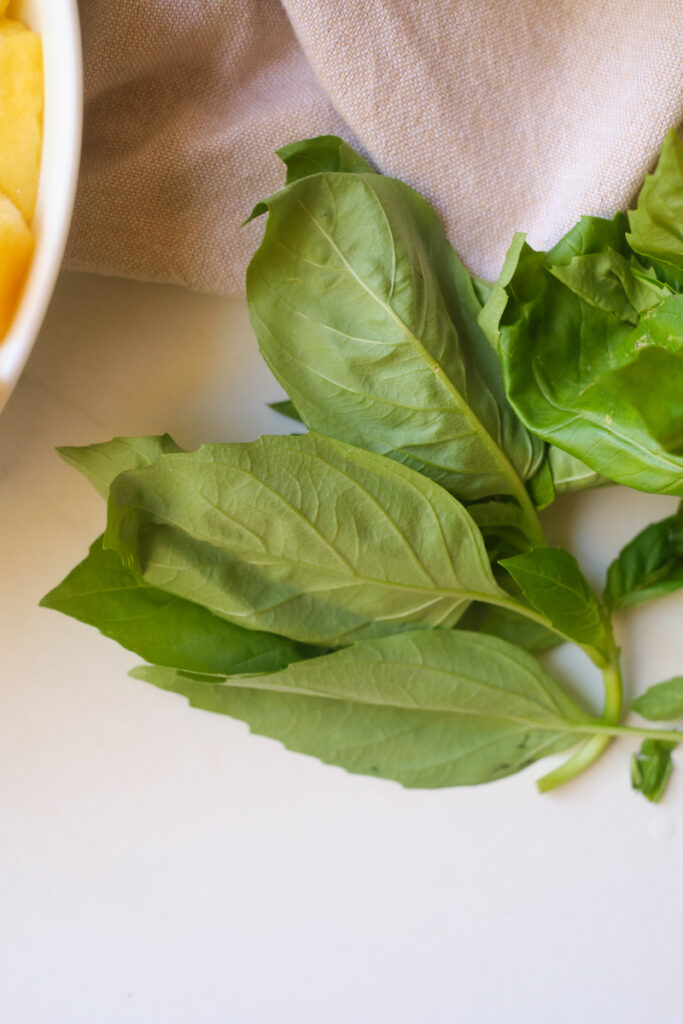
(507, 117)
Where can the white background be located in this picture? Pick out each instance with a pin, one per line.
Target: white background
(159, 865)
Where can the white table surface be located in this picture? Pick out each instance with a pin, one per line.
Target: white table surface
(160, 865)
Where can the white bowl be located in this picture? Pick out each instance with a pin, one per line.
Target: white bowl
(57, 23)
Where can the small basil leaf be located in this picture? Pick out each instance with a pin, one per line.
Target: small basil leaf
(649, 566)
(662, 702)
(161, 628)
(428, 708)
(656, 221)
(651, 768)
(286, 408)
(368, 320)
(302, 536)
(102, 463)
(551, 580)
(323, 153)
(555, 347)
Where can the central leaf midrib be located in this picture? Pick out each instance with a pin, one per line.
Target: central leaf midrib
(557, 724)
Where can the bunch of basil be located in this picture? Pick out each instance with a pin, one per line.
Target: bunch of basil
(373, 591)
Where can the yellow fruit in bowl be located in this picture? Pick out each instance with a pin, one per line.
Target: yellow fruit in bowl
(21, 105)
(16, 249)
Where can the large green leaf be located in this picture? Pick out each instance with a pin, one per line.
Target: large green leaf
(657, 222)
(303, 536)
(662, 702)
(555, 349)
(102, 463)
(551, 580)
(369, 321)
(649, 566)
(162, 628)
(428, 708)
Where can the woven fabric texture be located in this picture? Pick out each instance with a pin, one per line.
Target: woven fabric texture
(507, 117)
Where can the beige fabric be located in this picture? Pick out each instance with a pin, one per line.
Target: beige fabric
(507, 116)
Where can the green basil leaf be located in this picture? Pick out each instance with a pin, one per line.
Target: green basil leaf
(303, 536)
(651, 768)
(555, 347)
(510, 626)
(368, 319)
(428, 708)
(162, 628)
(102, 463)
(649, 566)
(656, 221)
(286, 408)
(662, 702)
(551, 580)
(323, 153)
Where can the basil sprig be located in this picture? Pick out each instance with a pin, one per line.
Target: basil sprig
(372, 592)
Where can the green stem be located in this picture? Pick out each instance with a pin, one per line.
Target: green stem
(583, 758)
(592, 749)
(609, 731)
(535, 530)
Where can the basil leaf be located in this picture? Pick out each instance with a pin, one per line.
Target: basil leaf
(285, 408)
(651, 768)
(102, 463)
(662, 702)
(369, 321)
(302, 536)
(656, 221)
(649, 566)
(161, 628)
(428, 708)
(551, 580)
(555, 347)
(323, 153)
(510, 626)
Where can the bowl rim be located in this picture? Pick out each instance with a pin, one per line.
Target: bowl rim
(16, 346)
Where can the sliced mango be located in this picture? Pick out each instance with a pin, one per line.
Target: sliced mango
(21, 108)
(16, 249)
